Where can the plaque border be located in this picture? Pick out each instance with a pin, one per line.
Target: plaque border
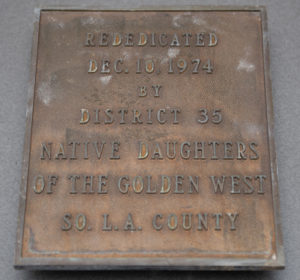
(52, 263)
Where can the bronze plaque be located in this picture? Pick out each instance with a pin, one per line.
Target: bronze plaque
(149, 142)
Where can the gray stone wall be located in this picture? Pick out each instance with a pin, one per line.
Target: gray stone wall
(16, 29)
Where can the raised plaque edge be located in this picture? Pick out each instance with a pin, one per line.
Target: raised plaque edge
(277, 262)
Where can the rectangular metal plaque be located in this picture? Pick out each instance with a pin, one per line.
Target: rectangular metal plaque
(149, 142)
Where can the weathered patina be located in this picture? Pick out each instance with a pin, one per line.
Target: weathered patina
(149, 142)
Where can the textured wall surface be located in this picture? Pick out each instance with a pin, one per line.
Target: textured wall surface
(16, 29)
